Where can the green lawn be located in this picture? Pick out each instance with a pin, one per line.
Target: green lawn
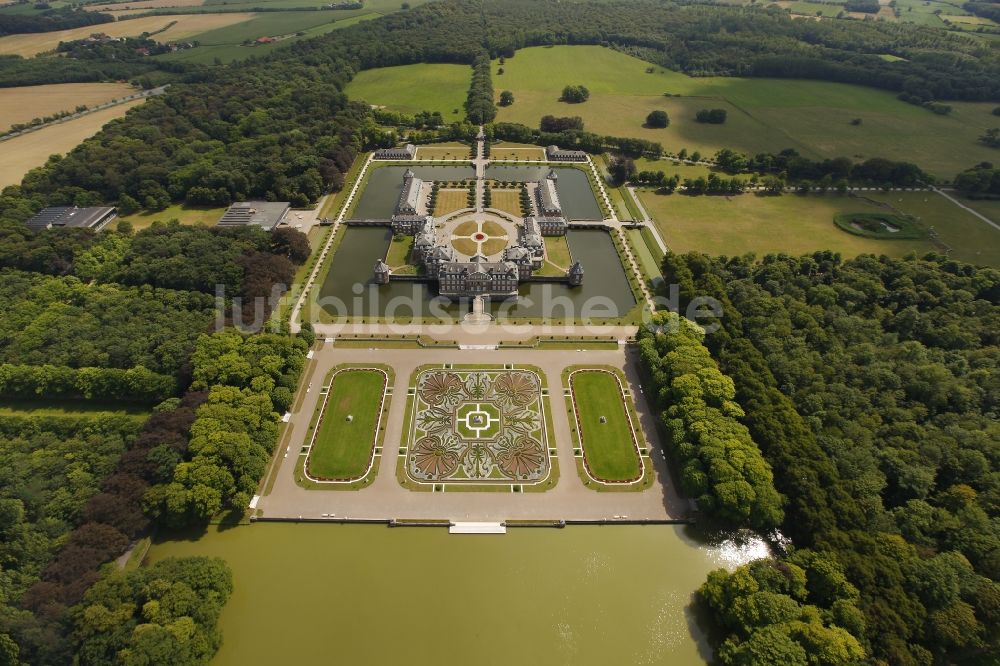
(608, 447)
(343, 449)
(413, 88)
(557, 251)
(648, 261)
(399, 251)
(179, 212)
(800, 224)
(814, 117)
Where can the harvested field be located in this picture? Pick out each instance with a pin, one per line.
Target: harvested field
(23, 104)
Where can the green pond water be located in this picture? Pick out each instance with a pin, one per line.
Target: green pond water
(378, 200)
(369, 594)
(349, 288)
(575, 194)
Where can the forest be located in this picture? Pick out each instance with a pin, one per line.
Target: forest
(871, 388)
(50, 20)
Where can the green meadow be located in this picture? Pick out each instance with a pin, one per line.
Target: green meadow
(413, 88)
(799, 224)
(813, 117)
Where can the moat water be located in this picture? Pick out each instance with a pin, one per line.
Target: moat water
(575, 194)
(378, 200)
(349, 289)
(368, 594)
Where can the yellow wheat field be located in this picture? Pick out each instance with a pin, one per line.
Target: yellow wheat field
(31, 150)
(21, 105)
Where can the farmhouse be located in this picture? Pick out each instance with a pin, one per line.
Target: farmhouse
(407, 152)
(95, 218)
(554, 154)
(264, 214)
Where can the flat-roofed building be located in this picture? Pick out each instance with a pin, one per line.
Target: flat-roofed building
(264, 214)
(407, 152)
(556, 154)
(57, 217)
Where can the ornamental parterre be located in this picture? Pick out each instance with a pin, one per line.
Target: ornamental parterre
(478, 426)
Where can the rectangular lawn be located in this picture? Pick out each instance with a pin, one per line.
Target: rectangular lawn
(608, 448)
(343, 449)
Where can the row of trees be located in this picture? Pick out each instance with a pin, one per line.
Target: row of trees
(795, 168)
(867, 386)
(571, 138)
(479, 106)
(53, 382)
(720, 465)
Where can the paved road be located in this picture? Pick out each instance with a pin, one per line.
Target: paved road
(385, 498)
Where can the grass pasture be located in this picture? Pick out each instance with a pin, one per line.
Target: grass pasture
(813, 117)
(33, 149)
(799, 224)
(181, 26)
(609, 448)
(23, 104)
(414, 88)
(343, 449)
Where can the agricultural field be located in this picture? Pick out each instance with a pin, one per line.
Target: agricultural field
(23, 104)
(33, 149)
(226, 44)
(346, 435)
(118, 9)
(181, 26)
(414, 88)
(797, 224)
(813, 117)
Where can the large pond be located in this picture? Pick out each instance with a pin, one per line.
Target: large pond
(369, 594)
(381, 192)
(349, 288)
(575, 194)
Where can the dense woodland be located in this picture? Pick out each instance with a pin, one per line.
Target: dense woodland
(50, 20)
(871, 388)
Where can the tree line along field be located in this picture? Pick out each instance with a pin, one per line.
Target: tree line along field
(798, 224)
(414, 88)
(813, 117)
(182, 26)
(23, 104)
